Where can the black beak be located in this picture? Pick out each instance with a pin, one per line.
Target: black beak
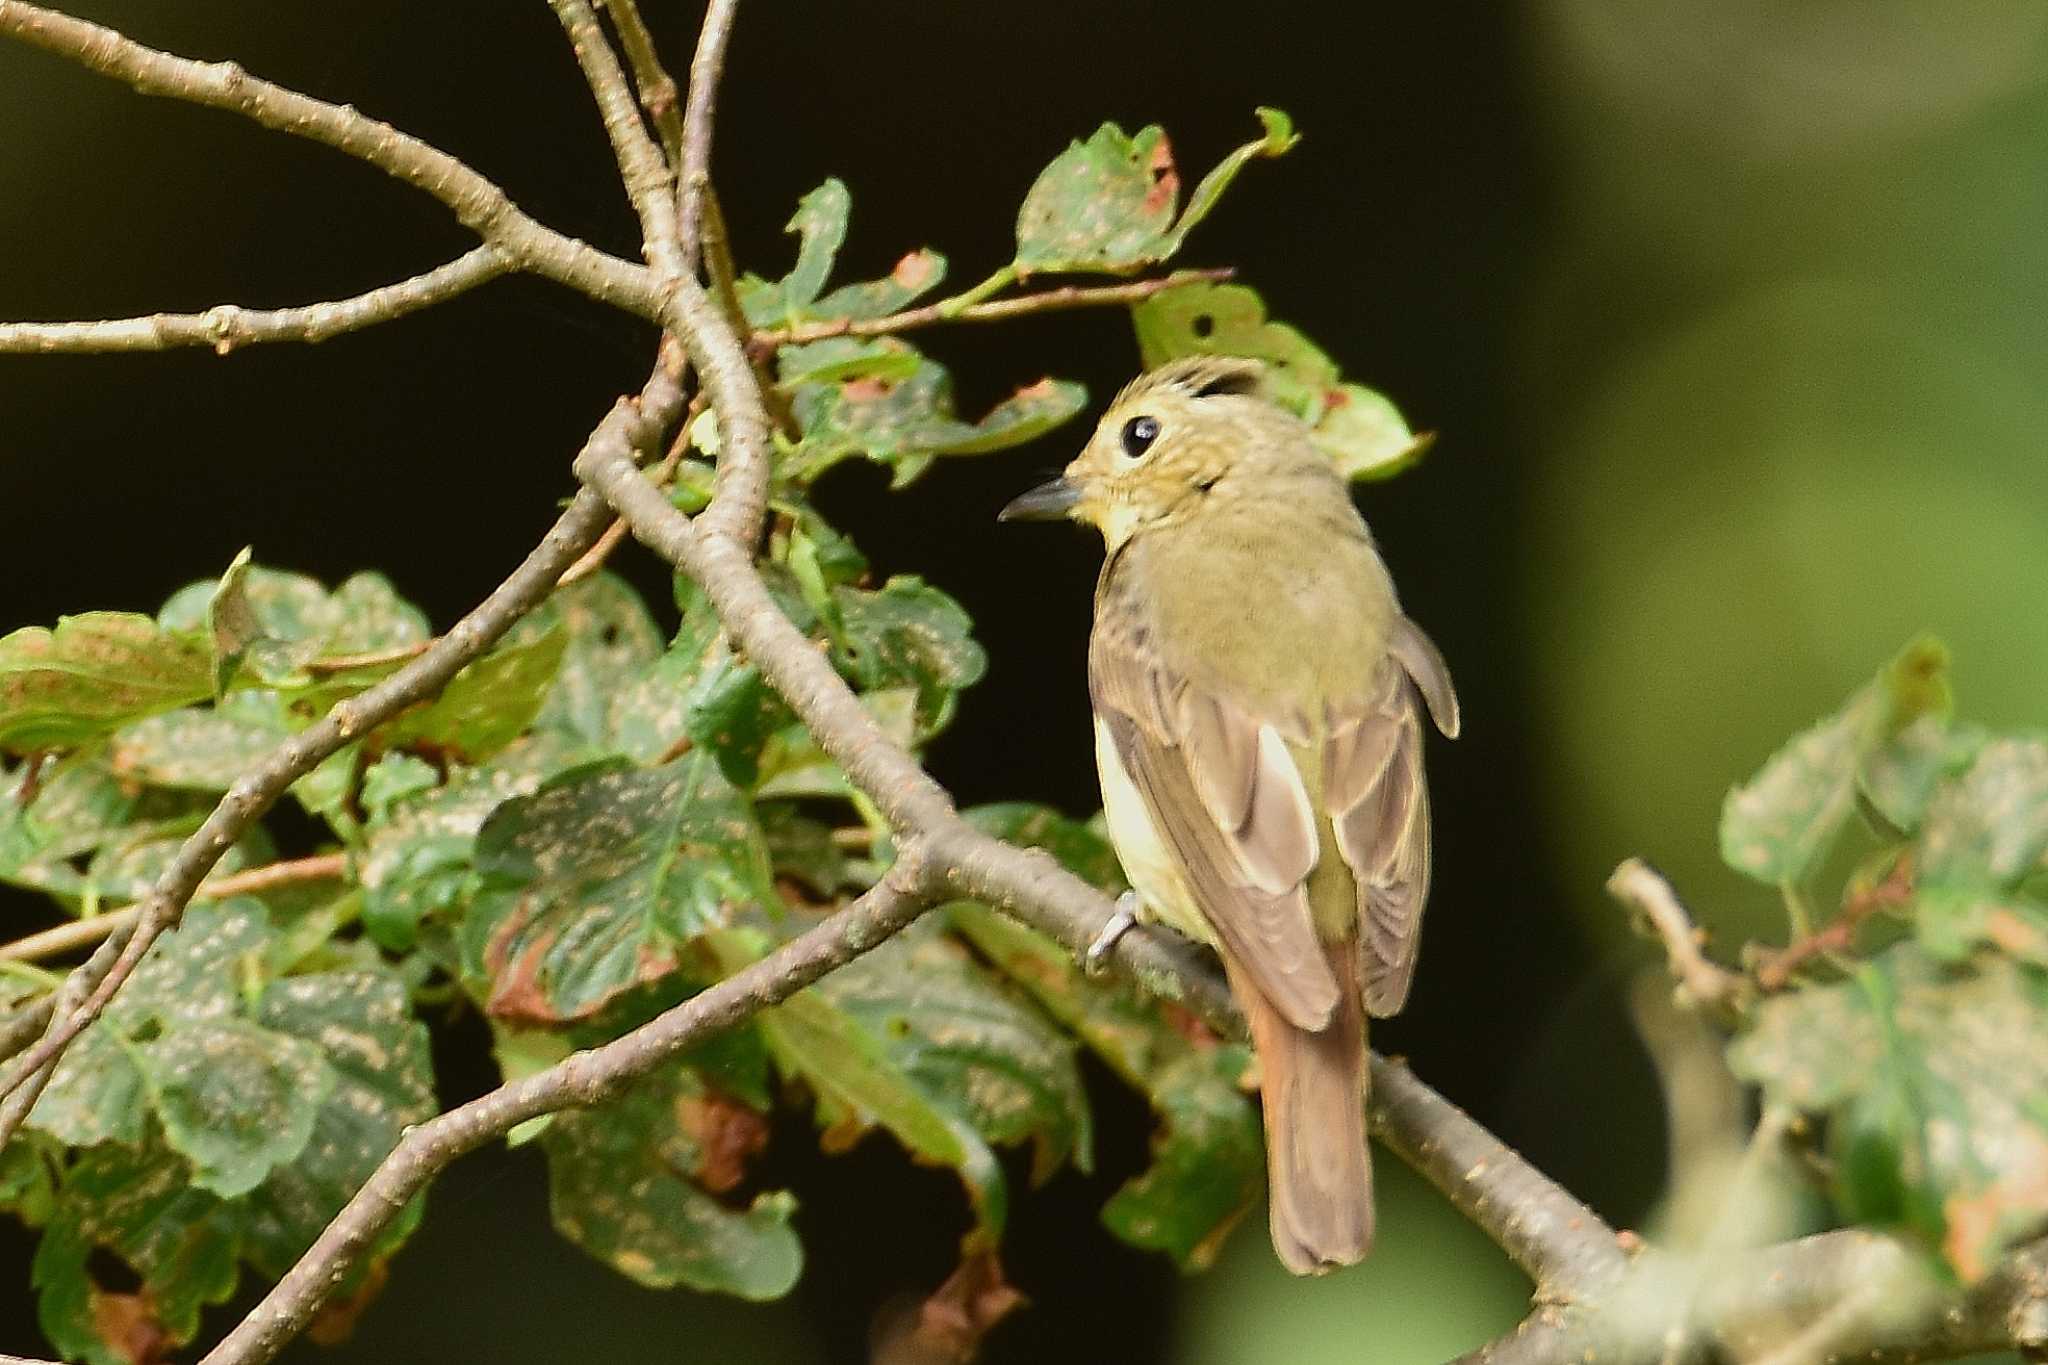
(1047, 502)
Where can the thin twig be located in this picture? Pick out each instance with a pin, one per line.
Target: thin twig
(649, 177)
(585, 1078)
(89, 987)
(657, 89)
(251, 881)
(693, 178)
(477, 202)
(931, 314)
(228, 327)
(615, 534)
(1775, 971)
(1644, 889)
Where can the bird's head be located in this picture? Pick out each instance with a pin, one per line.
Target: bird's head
(1176, 439)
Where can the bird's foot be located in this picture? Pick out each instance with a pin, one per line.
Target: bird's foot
(1096, 960)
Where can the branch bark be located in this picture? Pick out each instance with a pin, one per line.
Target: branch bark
(228, 327)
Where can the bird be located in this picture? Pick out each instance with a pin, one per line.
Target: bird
(1259, 701)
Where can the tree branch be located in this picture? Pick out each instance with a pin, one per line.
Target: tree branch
(586, 1078)
(1755, 1305)
(1646, 890)
(85, 932)
(707, 65)
(629, 426)
(657, 89)
(931, 314)
(477, 202)
(228, 327)
(649, 179)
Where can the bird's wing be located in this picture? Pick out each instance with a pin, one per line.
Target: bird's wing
(1374, 790)
(1225, 795)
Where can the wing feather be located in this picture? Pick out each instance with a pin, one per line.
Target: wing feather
(1225, 795)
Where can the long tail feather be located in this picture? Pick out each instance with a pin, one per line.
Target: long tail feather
(1314, 1089)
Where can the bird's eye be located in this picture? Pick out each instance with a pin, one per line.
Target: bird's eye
(1139, 434)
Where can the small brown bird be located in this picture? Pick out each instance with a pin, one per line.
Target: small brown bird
(1258, 702)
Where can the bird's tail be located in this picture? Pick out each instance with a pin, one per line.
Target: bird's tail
(1314, 1090)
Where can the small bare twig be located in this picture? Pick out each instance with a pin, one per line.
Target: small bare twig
(693, 176)
(476, 201)
(649, 178)
(1644, 889)
(228, 327)
(251, 881)
(657, 89)
(931, 314)
(1774, 971)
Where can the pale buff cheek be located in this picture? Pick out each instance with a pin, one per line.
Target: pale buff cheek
(1118, 519)
(1153, 873)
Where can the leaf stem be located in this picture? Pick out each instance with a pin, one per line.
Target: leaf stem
(1045, 301)
(84, 933)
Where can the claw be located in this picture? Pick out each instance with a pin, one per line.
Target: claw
(1096, 960)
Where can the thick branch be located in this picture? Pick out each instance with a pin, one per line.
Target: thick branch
(475, 200)
(229, 327)
(585, 1078)
(997, 310)
(85, 993)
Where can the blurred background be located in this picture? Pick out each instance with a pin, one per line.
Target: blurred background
(1732, 319)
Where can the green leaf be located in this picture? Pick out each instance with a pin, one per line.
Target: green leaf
(80, 807)
(803, 849)
(272, 623)
(820, 225)
(393, 779)
(1930, 1079)
(1208, 1161)
(202, 748)
(734, 718)
(840, 358)
(362, 1024)
(611, 639)
(1988, 828)
(234, 1099)
(593, 884)
(1900, 775)
(909, 633)
(914, 276)
(1363, 434)
(231, 622)
(97, 1093)
(141, 1205)
(702, 692)
(488, 704)
(905, 422)
(417, 863)
(858, 1088)
(958, 1035)
(91, 675)
(1782, 822)
(633, 1182)
(1108, 204)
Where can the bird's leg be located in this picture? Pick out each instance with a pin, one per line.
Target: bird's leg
(1096, 960)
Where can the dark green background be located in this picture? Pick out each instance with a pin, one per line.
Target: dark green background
(1731, 319)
